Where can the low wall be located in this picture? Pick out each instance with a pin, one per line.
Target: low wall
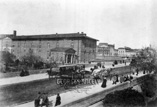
(89, 100)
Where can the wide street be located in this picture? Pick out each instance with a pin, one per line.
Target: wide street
(14, 80)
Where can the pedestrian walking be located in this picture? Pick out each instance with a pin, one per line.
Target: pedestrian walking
(137, 70)
(113, 65)
(45, 100)
(58, 100)
(37, 101)
(121, 79)
(104, 82)
(117, 80)
(114, 79)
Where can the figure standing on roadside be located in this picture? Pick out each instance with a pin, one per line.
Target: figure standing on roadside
(137, 72)
(121, 79)
(37, 100)
(104, 82)
(113, 65)
(58, 100)
(114, 79)
(45, 101)
(117, 80)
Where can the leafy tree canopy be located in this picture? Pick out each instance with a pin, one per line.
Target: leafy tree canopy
(7, 57)
(145, 59)
(30, 58)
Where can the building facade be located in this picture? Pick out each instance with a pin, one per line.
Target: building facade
(105, 49)
(44, 45)
(121, 52)
(5, 43)
(126, 52)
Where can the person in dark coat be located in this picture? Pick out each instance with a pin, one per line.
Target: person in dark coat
(104, 82)
(58, 100)
(37, 100)
(121, 79)
(117, 80)
(22, 73)
(45, 100)
(137, 70)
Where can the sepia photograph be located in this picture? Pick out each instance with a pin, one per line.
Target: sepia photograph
(78, 53)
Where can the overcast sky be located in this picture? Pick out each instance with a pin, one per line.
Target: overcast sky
(129, 23)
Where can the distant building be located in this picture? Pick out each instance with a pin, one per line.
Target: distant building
(6, 42)
(116, 52)
(105, 49)
(121, 52)
(126, 52)
(84, 47)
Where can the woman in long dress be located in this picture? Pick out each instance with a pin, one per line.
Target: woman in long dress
(58, 100)
(104, 82)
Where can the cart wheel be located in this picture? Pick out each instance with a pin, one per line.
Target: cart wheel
(65, 86)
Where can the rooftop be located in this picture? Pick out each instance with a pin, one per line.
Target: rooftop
(2, 36)
(109, 45)
(51, 36)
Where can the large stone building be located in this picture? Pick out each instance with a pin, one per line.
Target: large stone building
(63, 48)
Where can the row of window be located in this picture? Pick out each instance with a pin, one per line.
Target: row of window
(39, 46)
(121, 52)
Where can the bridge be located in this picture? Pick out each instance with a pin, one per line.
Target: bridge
(97, 97)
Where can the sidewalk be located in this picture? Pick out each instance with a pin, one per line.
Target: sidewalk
(70, 96)
(14, 80)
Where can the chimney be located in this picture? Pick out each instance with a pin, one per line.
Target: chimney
(14, 33)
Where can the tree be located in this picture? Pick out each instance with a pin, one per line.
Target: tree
(7, 58)
(145, 60)
(30, 59)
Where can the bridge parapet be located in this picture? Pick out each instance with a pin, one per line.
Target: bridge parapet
(94, 98)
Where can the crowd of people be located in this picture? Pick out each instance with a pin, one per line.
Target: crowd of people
(43, 100)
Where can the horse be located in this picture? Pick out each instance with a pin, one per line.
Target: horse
(52, 73)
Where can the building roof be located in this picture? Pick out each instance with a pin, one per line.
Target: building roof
(102, 44)
(52, 36)
(63, 49)
(108, 58)
(121, 48)
(2, 36)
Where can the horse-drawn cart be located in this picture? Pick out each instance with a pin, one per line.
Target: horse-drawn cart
(67, 73)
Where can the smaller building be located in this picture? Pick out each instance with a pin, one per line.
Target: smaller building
(105, 49)
(6, 43)
(126, 52)
(116, 52)
(63, 55)
(121, 52)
